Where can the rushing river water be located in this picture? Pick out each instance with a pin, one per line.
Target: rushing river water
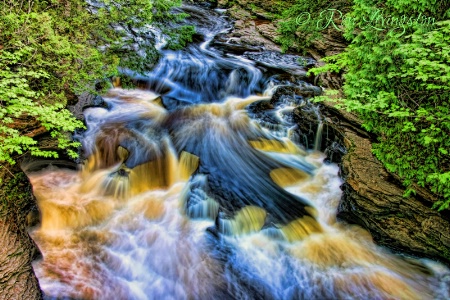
(187, 194)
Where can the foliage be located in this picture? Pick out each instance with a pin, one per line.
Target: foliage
(51, 50)
(177, 36)
(398, 81)
(305, 20)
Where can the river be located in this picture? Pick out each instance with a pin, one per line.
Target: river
(195, 186)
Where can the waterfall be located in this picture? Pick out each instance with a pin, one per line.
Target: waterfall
(318, 140)
(187, 193)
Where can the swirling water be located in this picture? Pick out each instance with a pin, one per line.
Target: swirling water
(186, 194)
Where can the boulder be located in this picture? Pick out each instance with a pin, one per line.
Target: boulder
(251, 31)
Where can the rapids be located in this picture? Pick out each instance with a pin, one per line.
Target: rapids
(187, 193)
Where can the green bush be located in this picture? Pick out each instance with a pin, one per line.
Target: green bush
(52, 50)
(397, 78)
(305, 20)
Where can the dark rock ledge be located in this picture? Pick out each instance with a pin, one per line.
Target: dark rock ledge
(373, 199)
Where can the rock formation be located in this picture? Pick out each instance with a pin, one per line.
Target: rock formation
(17, 250)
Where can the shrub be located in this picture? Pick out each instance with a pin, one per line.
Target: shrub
(397, 79)
(51, 50)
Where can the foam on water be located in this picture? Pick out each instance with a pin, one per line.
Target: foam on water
(133, 223)
(185, 195)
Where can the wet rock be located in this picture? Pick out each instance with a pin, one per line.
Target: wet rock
(373, 199)
(293, 64)
(310, 120)
(302, 89)
(308, 123)
(256, 24)
(205, 3)
(235, 48)
(226, 44)
(85, 100)
(309, 126)
(260, 35)
(205, 21)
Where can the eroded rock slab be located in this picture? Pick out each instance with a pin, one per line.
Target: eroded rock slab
(373, 199)
(292, 64)
(17, 278)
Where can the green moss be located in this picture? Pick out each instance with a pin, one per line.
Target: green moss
(16, 194)
(446, 253)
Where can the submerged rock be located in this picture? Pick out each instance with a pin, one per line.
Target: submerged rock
(227, 44)
(290, 63)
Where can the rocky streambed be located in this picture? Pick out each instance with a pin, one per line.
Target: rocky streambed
(372, 197)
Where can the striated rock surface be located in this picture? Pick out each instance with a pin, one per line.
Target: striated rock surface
(373, 199)
(251, 29)
(17, 278)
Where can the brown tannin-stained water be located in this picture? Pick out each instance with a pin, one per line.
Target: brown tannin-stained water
(185, 194)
